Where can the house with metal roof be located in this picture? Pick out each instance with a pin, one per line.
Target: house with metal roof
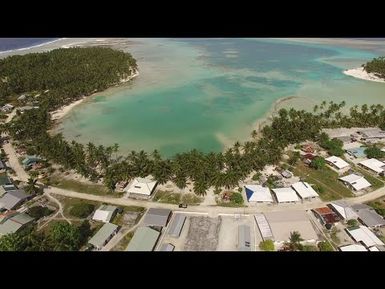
(282, 223)
(353, 248)
(356, 182)
(5, 180)
(176, 225)
(372, 133)
(157, 217)
(373, 165)
(337, 162)
(368, 216)
(286, 195)
(28, 161)
(167, 247)
(364, 236)
(12, 199)
(13, 222)
(244, 239)
(343, 209)
(141, 187)
(105, 213)
(326, 215)
(258, 194)
(304, 190)
(101, 238)
(358, 152)
(144, 239)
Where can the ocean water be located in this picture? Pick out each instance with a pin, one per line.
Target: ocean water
(7, 44)
(208, 93)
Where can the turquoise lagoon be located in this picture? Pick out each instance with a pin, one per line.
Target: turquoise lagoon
(208, 93)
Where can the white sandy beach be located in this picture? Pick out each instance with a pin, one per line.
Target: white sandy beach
(60, 113)
(362, 74)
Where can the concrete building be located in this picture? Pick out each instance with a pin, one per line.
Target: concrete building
(285, 195)
(141, 187)
(12, 199)
(285, 222)
(372, 134)
(157, 217)
(244, 239)
(144, 239)
(337, 162)
(368, 216)
(258, 194)
(304, 190)
(373, 165)
(105, 213)
(101, 238)
(355, 182)
(177, 225)
(13, 222)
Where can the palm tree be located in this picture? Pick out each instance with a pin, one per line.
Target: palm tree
(31, 187)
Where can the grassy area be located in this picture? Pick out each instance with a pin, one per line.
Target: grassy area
(68, 203)
(191, 199)
(235, 200)
(119, 218)
(80, 187)
(122, 245)
(167, 197)
(378, 205)
(326, 178)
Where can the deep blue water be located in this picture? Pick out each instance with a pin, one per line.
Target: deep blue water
(17, 43)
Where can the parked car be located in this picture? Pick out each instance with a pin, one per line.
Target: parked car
(184, 206)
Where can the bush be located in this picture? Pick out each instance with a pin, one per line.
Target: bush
(352, 223)
(318, 163)
(325, 246)
(38, 212)
(256, 176)
(374, 152)
(81, 210)
(236, 198)
(267, 245)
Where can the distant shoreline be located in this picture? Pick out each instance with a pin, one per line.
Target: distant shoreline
(360, 73)
(31, 47)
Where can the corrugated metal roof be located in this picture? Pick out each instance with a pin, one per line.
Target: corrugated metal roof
(368, 216)
(12, 198)
(244, 238)
(167, 247)
(264, 227)
(156, 217)
(14, 223)
(144, 239)
(177, 225)
(105, 232)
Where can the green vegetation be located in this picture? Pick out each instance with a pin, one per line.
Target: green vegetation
(61, 236)
(333, 146)
(76, 186)
(234, 200)
(325, 246)
(272, 182)
(318, 163)
(256, 176)
(333, 235)
(81, 210)
(267, 245)
(294, 243)
(376, 66)
(325, 180)
(119, 218)
(310, 248)
(191, 199)
(378, 206)
(32, 189)
(38, 212)
(295, 156)
(167, 197)
(352, 223)
(374, 152)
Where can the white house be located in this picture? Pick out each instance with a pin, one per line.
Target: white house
(344, 210)
(354, 247)
(105, 213)
(304, 190)
(258, 194)
(337, 162)
(286, 195)
(373, 165)
(356, 182)
(141, 186)
(365, 236)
